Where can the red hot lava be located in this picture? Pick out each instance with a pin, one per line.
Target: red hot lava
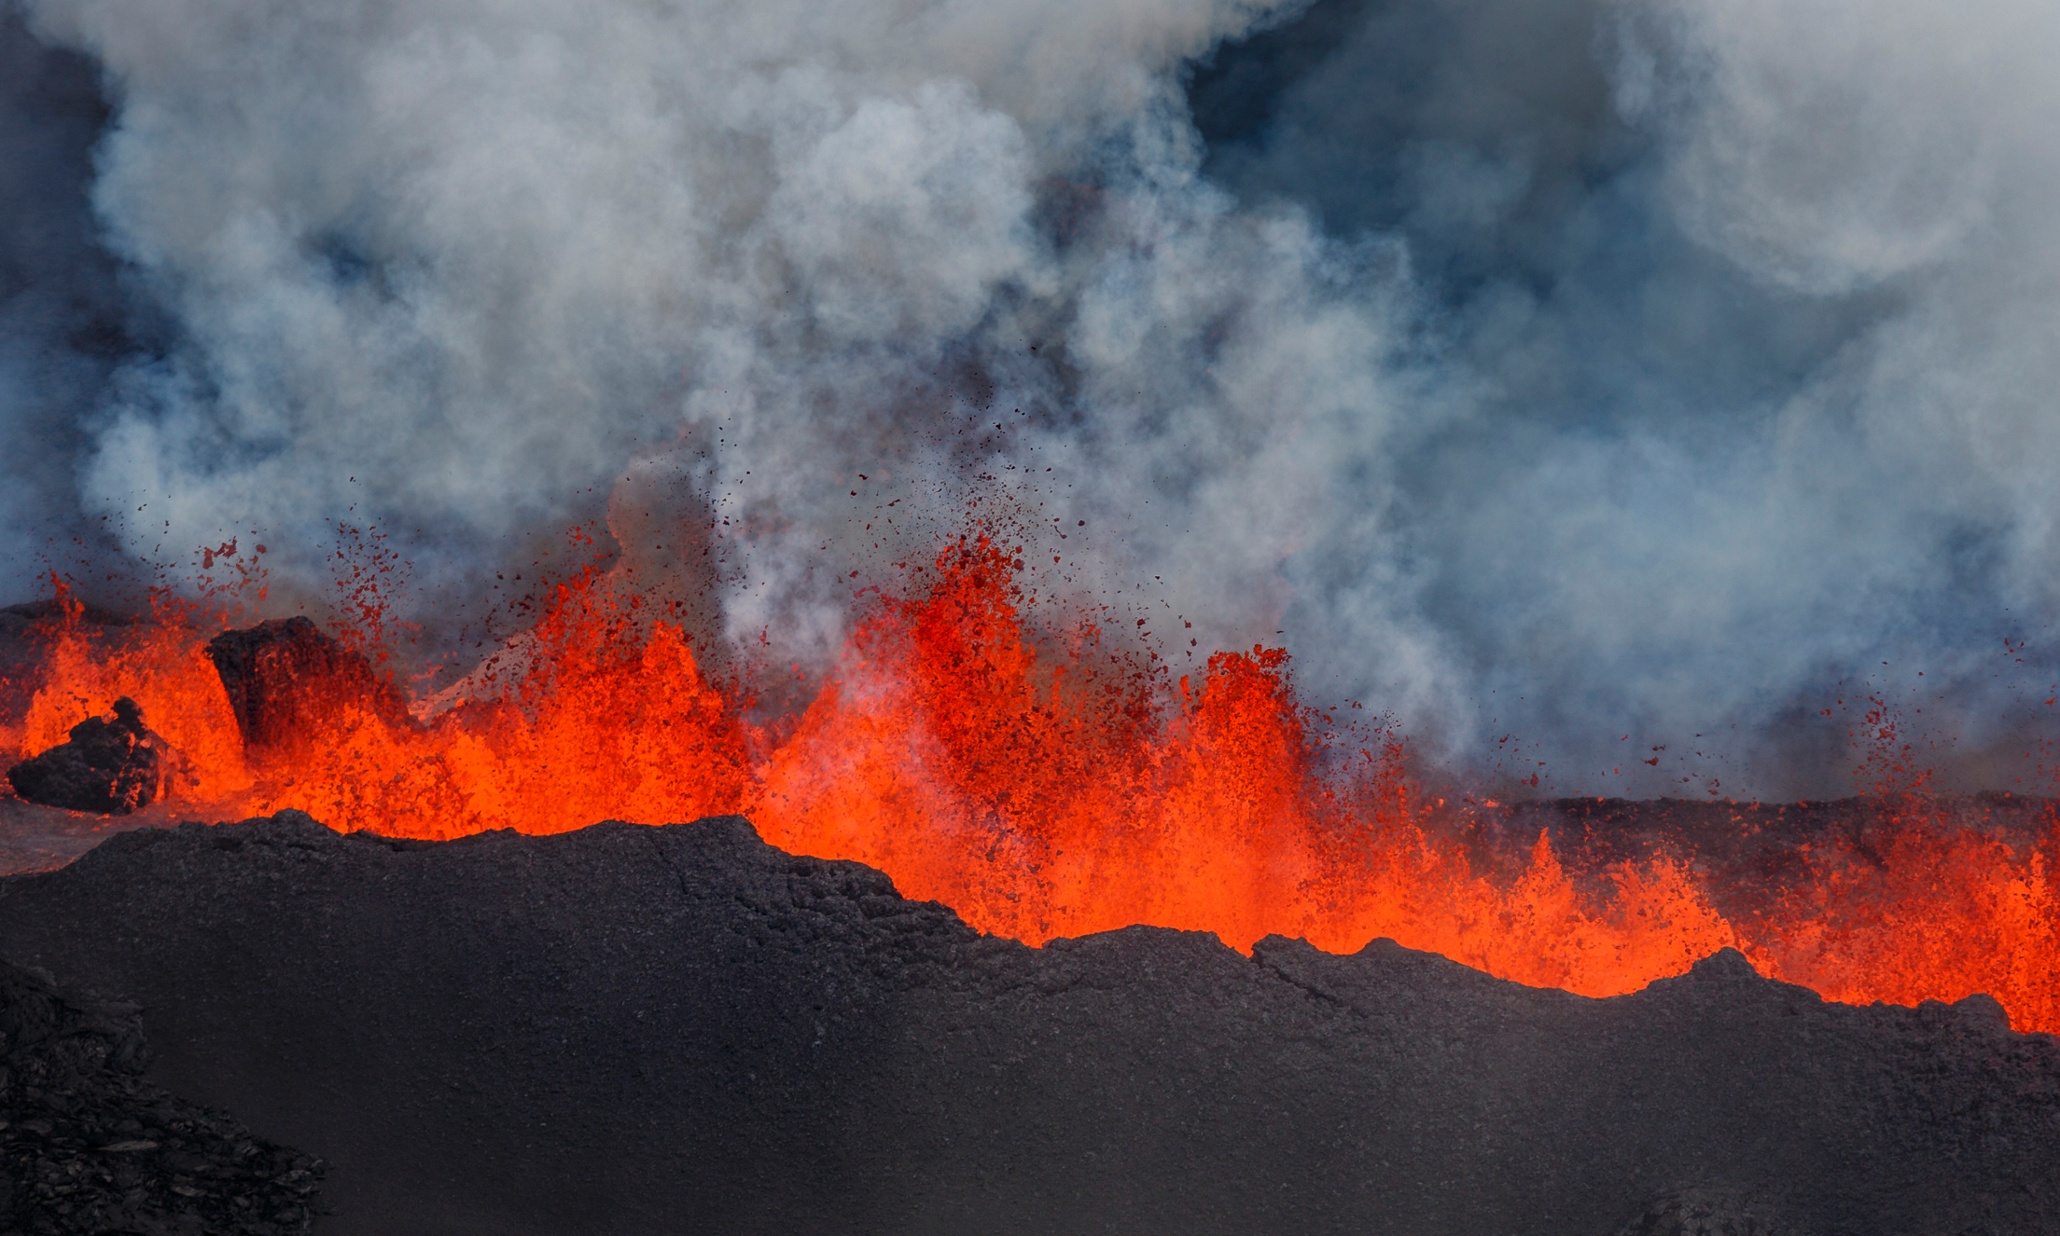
(1053, 787)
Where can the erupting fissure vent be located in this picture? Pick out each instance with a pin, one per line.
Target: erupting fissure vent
(1050, 785)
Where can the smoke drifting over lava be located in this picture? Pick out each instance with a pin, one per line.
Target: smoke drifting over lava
(1577, 371)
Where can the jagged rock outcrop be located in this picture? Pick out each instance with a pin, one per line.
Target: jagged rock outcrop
(291, 686)
(88, 1147)
(109, 766)
(636, 1030)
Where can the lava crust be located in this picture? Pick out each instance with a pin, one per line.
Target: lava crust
(641, 1030)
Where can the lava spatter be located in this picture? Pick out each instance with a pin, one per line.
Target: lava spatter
(1046, 781)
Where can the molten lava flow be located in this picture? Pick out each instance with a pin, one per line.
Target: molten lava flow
(1055, 785)
(1928, 910)
(1056, 794)
(162, 665)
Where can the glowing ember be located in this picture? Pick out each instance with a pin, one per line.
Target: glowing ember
(1058, 786)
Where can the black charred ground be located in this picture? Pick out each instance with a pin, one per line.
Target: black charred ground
(647, 1030)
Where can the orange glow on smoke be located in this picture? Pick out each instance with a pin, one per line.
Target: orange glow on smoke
(1054, 785)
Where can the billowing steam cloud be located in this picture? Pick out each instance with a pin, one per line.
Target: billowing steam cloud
(1573, 370)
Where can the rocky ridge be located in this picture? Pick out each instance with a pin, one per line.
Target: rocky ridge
(627, 1029)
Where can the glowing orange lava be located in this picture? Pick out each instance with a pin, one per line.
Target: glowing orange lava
(1054, 785)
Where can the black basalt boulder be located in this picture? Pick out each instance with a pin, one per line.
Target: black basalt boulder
(111, 766)
(291, 686)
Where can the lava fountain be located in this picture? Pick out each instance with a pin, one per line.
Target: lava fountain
(1045, 781)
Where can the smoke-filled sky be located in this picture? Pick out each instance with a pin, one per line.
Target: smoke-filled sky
(1604, 375)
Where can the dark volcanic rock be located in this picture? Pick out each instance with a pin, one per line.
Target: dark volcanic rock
(88, 1147)
(109, 766)
(288, 684)
(644, 1030)
(1702, 1213)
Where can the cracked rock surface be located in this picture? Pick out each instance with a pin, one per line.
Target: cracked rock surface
(645, 1030)
(87, 1146)
(109, 766)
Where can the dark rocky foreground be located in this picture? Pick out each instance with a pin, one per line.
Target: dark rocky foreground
(87, 1146)
(639, 1030)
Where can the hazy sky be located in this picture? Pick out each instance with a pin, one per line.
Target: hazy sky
(1608, 375)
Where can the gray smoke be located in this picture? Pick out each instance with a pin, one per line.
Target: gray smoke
(63, 324)
(1574, 371)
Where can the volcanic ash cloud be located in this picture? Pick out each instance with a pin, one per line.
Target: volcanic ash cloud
(1574, 370)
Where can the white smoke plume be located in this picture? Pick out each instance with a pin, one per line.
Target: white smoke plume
(1576, 371)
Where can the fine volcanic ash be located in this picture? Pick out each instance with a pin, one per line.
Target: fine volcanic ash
(630, 1030)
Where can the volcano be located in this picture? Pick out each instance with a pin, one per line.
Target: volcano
(1418, 615)
(1047, 780)
(1182, 973)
